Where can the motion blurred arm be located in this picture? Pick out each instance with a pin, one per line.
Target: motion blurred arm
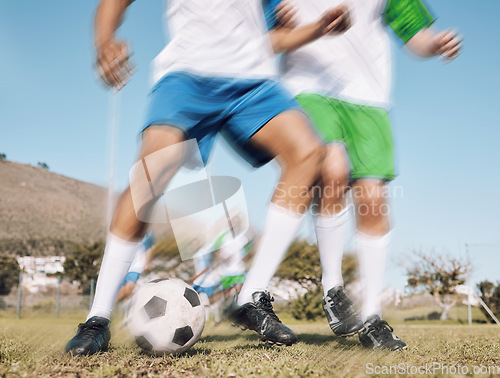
(427, 44)
(108, 18)
(112, 57)
(336, 20)
(410, 20)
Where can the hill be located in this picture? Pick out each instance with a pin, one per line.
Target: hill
(43, 213)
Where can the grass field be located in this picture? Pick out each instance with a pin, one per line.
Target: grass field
(33, 347)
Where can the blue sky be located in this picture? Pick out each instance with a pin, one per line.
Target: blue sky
(446, 120)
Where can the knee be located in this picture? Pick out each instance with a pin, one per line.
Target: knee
(316, 156)
(336, 177)
(373, 218)
(369, 195)
(309, 158)
(372, 208)
(372, 222)
(335, 170)
(156, 138)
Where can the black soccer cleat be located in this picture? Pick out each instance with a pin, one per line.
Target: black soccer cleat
(377, 334)
(259, 316)
(342, 318)
(92, 337)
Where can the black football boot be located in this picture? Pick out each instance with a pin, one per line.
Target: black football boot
(259, 316)
(92, 337)
(377, 334)
(342, 318)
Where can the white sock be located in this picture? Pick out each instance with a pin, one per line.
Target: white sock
(372, 252)
(330, 232)
(118, 256)
(281, 226)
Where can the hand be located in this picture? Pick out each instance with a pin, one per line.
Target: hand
(447, 44)
(113, 64)
(336, 20)
(286, 15)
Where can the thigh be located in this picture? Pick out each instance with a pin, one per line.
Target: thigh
(185, 102)
(160, 157)
(160, 136)
(336, 168)
(261, 119)
(288, 137)
(327, 119)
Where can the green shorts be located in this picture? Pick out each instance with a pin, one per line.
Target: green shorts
(364, 130)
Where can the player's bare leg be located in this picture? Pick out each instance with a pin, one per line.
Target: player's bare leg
(126, 231)
(300, 154)
(335, 180)
(372, 239)
(372, 208)
(126, 224)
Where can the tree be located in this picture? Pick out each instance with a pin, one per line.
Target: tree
(3, 156)
(438, 275)
(490, 294)
(302, 264)
(43, 165)
(308, 306)
(83, 264)
(9, 273)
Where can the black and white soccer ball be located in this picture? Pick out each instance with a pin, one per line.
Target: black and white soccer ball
(166, 316)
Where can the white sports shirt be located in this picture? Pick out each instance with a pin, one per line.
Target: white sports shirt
(355, 66)
(222, 38)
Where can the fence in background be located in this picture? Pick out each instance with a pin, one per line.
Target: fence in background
(49, 300)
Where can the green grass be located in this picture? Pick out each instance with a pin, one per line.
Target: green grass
(33, 347)
(457, 315)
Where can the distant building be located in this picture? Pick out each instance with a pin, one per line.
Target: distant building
(39, 272)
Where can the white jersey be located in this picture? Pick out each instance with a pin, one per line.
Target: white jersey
(354, 66)
(222, 38)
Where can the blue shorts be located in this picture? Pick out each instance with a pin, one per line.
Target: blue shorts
(203, 106)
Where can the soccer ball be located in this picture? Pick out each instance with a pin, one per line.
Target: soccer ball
(166, 316)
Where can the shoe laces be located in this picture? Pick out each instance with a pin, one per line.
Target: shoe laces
(265, 304)
(340, 302)
(382, 330)
(89, 331)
